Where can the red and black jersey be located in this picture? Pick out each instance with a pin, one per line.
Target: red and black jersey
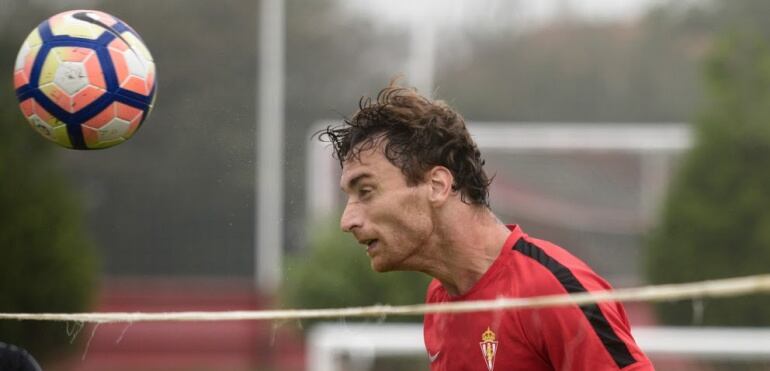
(590, 337)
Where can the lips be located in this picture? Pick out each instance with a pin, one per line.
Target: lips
(371, 244)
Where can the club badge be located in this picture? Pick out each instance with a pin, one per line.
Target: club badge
(488, 348)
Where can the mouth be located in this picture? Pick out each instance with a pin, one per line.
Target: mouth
(370, 244)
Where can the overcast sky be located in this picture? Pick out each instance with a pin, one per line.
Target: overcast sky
(486, 13)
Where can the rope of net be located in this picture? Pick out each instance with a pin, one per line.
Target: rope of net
(729, 287)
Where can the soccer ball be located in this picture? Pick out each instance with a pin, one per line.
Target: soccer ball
(84, 80)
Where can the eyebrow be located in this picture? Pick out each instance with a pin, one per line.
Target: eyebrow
(357, 179)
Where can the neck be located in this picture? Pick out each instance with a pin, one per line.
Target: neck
(468, 240)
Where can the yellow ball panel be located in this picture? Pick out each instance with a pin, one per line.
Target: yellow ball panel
(52, 129)
(48, 73)
(33, 39)
(65, 24)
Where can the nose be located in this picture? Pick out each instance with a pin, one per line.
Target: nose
(351, 218)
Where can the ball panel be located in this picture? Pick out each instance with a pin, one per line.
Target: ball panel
(115, 129)
(147, 71)
(108, 135)
(117, 45)
(57, 134)
(29, 60)
(85, 97)
(136, 66)
(27, 107)
(102, 17)
(58, 96)
(22, 56)
(127, 112)
(50, 65)
(73, 53)
(134, 126)
(102, 118)
(61, 136)
(94, 72)
(111, 126)
(138, 46)
(41, 126)
(33, 39)
(133, 61)
(107, 144)
(45, 124)
(119, 63)
(19, 79)
(64, 24)
(71, 77)
(43, 114)
(90, 136)
(25, 58)
(136, 84)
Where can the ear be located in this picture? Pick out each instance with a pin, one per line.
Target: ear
(440, 180)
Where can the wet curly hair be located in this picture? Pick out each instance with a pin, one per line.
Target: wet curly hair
(418, 134)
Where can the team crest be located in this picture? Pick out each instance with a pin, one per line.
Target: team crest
(488, 348)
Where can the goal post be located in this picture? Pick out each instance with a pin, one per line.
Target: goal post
(654, 143)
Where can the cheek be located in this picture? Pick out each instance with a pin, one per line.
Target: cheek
(414, 218)
(403, 216)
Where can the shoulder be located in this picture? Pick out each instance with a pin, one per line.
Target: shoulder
(553, 270)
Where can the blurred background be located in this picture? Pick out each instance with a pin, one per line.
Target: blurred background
(635, 134)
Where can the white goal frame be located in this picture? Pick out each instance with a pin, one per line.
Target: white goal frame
(654, 142)
(360, 343)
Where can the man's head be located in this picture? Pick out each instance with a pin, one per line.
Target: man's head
(403, 156)
(417, 134)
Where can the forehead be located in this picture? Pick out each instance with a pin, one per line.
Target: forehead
(369, 163)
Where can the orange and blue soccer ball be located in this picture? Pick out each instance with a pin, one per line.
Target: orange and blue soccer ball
(85, 80)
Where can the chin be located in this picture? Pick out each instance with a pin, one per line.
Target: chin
(381, 267)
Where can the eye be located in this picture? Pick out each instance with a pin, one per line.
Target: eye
(364, 192)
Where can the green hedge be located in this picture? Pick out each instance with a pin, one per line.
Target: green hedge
(716, 220)
(335, 272)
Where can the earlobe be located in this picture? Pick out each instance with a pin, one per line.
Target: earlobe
(441, 181)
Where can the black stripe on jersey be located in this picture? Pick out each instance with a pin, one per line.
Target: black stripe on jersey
(617, 349)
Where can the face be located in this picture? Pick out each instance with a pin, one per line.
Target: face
(391, 219)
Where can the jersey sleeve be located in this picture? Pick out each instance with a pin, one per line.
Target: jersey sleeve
(583, 338)
(590, 337)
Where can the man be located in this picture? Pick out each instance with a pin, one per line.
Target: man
(418, 200)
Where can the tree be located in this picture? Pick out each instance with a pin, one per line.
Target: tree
(716, 221)
(48, 263)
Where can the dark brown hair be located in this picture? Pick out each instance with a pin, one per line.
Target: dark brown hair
(418, 134)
